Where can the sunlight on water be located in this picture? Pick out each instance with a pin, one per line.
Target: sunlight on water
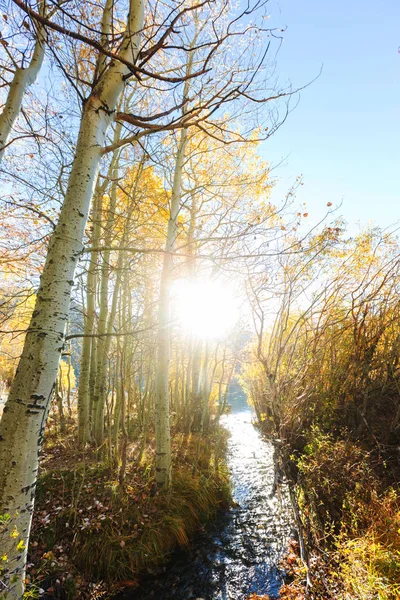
(240, 553)
(258, 533)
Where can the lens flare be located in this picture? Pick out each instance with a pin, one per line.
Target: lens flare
(208, 309)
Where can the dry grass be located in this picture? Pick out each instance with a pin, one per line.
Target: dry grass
(354, 521)
(88, 528)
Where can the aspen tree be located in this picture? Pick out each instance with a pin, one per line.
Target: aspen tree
(89, 363)
(26, 410)
(105, 319)
(163, 440)
(162, 417)
(89, 343)
(22, 79)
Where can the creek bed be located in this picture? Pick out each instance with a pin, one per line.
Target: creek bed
(240, 552)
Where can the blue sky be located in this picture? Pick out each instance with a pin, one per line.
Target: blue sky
(344, 136)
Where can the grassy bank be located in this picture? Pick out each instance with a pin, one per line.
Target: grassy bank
(325, 380)
(350, 507)
(93, 536)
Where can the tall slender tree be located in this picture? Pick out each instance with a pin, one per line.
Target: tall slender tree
(23, 77)
(24, 418)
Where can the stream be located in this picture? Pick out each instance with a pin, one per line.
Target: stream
(240, 552)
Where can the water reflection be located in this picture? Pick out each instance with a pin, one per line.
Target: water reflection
(240, 553)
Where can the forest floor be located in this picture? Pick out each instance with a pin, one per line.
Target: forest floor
(92, 536)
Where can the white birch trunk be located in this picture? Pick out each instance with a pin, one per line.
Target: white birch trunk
(191, 270)
(88, 342)
(195, 396)
(99, 396)
(163, 439)
(106, 326)
(23, 78)
(24, 418)
(162, 426)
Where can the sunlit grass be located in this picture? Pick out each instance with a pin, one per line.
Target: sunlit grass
(112, 533)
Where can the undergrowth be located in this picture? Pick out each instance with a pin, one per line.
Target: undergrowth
(87, 528)
(352, 521)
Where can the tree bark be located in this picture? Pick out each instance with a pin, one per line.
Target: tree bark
(24, 418)
(99, 397)
(23, 78)
(88, 345)
(162, 426)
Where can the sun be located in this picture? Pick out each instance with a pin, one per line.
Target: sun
(209, 309)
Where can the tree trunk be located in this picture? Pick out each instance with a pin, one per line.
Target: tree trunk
(88, 346)
(25, 413)
(99, 397)
(162, 425)
(23, 78)
(69, 390)
(163, 441)
(58, 393)
(195, 397)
